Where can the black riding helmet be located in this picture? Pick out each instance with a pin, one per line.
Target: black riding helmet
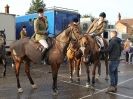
(75, 20)
(102, 14)
(40, 10)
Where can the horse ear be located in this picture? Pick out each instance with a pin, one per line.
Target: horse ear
(4, 30)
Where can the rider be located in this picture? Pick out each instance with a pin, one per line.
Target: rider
(23, 32)
(97, 28)
(76, 23)
(40, 28)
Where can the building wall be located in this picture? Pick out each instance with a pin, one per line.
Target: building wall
(121, 28)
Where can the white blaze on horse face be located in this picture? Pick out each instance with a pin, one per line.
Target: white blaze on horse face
(82, 49)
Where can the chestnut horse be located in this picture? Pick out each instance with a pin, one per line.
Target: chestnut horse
(91, 54)
(74, 55)
(23, 50)
(3, 50)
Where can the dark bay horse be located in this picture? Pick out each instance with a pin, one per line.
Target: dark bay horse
(23, 50)
(91, 54)
(2, 50)
(74, 55)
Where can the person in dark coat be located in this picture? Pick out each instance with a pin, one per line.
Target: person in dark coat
(114, 50)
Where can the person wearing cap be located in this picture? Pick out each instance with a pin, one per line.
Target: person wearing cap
(23, 32)
(97, 28)
(40, 28)
(75, 22)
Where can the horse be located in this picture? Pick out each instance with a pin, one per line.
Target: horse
(91, 55)
(74, 55)
(24, 50)
(2, 50)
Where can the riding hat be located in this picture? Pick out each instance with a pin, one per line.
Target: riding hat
(40, 10)
(102, 15)
(23, 26)
(75, 20)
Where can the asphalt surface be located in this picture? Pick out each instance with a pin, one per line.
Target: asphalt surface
(42, 77)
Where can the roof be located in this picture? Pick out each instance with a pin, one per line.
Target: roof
(127, 22)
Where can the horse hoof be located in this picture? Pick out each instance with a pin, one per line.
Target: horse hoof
(13, 65)
(55, 92)
(20, 90)
(92, 87)
(34, 86)
(106, 78)
(88, 85)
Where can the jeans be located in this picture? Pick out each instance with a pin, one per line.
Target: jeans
(113, 72)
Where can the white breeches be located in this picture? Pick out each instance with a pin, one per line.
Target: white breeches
(100, 40)
(44, 43)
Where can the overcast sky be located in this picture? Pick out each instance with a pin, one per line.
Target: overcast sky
(93, 7)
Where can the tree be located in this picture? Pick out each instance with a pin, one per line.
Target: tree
(35, 5)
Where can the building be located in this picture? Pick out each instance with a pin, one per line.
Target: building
(124, 26)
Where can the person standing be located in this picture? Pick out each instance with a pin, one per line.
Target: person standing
(23, 32)
(40, 28)
(114, 50)
(126, 49)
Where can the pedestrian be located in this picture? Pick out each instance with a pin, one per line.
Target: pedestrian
(96, 28)
(114, 50)
(23, 32)
(126, 49)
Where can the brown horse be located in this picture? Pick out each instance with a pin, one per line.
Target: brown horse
(74, 55)
(3, 50)
(91, 54)
(24, 51)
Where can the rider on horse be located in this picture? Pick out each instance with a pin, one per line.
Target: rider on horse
(75, 23)
(97, 28)
(40, 28)
(23, 32)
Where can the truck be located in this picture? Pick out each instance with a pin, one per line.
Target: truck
(58, 19)
(8, 23)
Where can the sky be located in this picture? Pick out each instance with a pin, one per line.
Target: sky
(93, 7)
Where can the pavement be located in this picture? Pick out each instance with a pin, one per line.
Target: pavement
(42, 77)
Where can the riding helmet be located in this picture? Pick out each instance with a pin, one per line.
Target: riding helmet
(102, 14)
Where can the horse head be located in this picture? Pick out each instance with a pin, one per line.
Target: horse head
(86, 46)
(72, 32)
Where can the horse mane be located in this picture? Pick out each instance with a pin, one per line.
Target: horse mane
(60, 32)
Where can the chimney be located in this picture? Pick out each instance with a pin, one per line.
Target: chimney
(119, 16)
(7, 9)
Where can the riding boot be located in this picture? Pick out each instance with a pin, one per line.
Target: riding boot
(44, 56)
(102, 53)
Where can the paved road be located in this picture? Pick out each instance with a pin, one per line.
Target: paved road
(43, 78)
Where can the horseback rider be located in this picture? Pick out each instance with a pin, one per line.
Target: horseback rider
(40, 28)
(97, 28)
(75, 22)
(23, 32)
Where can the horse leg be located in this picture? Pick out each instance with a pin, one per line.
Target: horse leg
(94, 71)
(55, 68)
(4, 64)
(78, 62)
(71, 69)
(99, 71)
(17, 69)
(106, 65)
(27, 71)
(88, 75)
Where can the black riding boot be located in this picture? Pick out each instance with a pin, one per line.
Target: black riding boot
(102, 53)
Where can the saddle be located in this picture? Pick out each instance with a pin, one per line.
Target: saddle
(39, 47)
